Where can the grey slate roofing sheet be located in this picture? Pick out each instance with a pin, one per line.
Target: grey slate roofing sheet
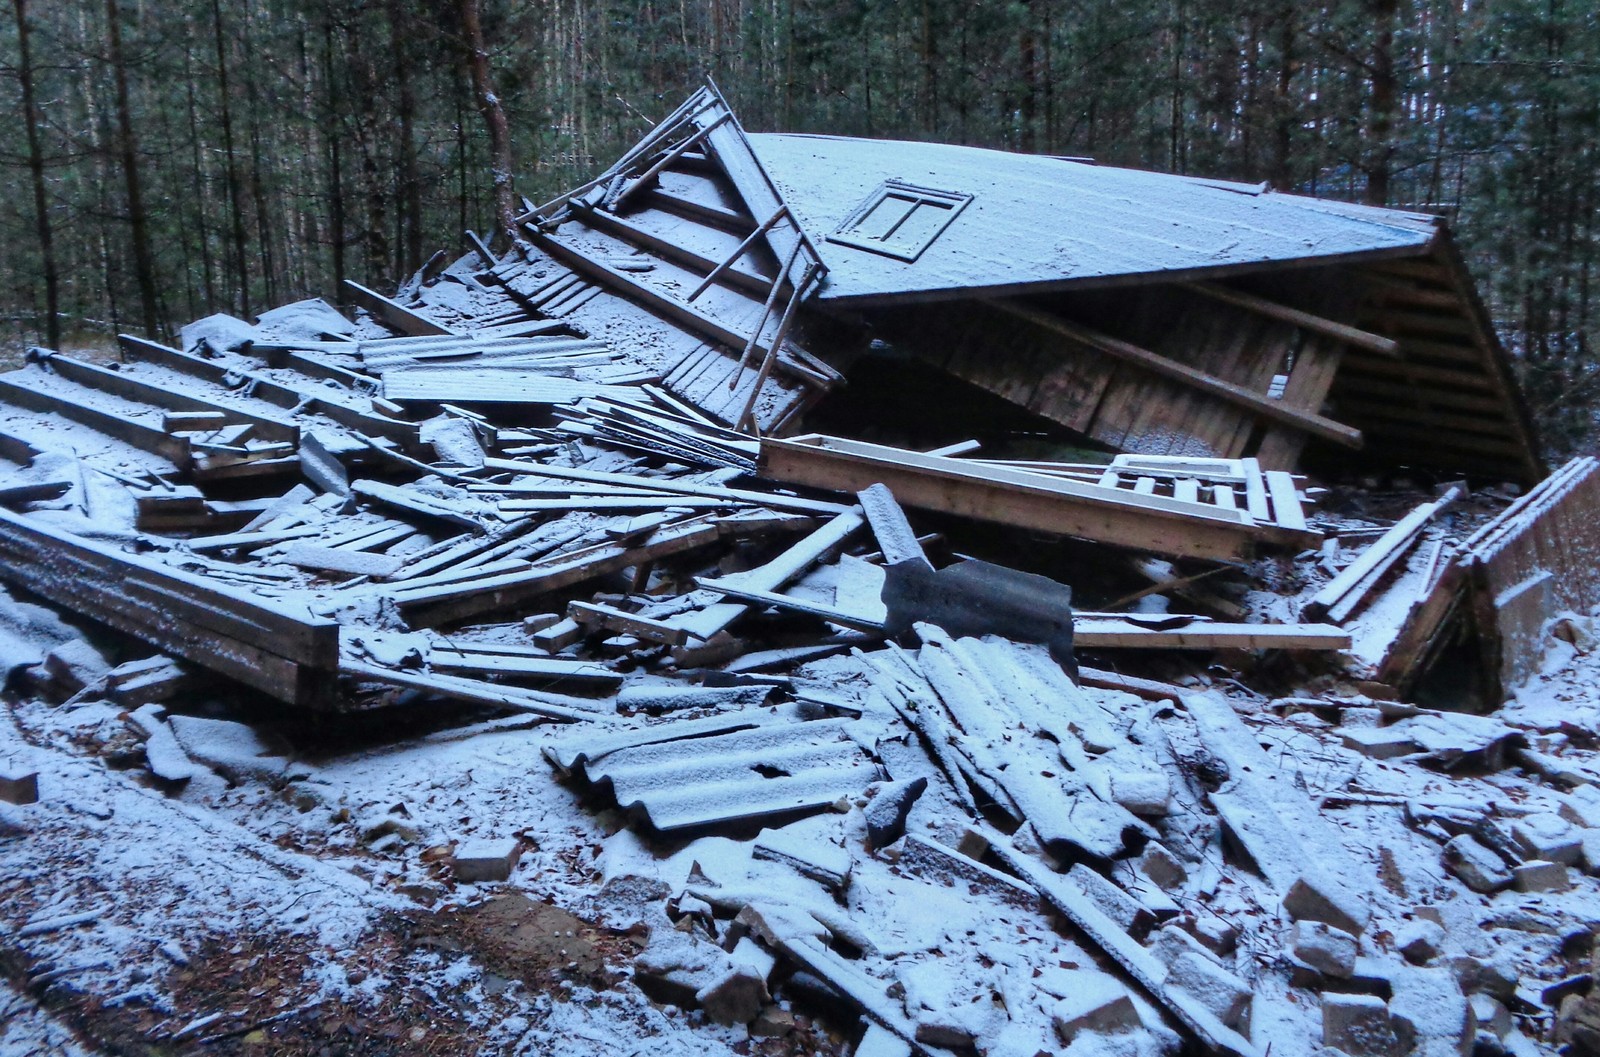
(1038, 219)
(715, 772)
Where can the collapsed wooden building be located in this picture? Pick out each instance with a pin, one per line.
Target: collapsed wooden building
(571, 480)
(1146, 312)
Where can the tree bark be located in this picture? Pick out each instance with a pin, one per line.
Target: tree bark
(235, 184)
(128, 146)
(1380, 128)
(41, 203)
(494, 117)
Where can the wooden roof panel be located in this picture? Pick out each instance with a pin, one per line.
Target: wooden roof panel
(1035, 219)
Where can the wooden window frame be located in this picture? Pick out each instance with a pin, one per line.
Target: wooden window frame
(950, 202)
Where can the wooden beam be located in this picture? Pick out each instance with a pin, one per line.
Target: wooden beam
(1363, 339)
(1028, 500)
(392, 313)
(650, 242)
(165, 396)
(448, 603)
(739, 251)
(628, 623)
(1369, 565)
(152, 439)
(1108, 633)
(661, 484)
(1256, 403)
(670, 308)
(671, 156)
(284, 652)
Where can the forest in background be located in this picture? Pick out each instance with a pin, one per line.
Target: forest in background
(172, 158)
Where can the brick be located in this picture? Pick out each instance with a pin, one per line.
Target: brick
(1359, 1026)
(1540, 876)
(1378, 743)
(485, 860)
(1549, 837)
(18, 786)
(1477, 867)
(1325, 948)
(1095, 1002)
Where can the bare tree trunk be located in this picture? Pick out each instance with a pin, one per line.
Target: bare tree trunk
(1380, 128)
(235, 184)
(143, 260)
(410, 190)
(41, 205)
(494, 116)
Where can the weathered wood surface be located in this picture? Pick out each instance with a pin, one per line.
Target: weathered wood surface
(997, 494)
(285, 653)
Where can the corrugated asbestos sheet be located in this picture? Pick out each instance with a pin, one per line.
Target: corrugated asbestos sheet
(1036, 219)
(685, 775)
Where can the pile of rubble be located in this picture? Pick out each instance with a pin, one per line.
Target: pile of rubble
(861, 791)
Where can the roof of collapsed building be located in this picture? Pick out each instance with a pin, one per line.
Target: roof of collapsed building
(939, 745)
(1033, 222)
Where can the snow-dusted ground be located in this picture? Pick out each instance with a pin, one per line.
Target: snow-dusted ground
(303, 902)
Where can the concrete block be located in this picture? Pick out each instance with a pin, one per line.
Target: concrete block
(886, 812)
(773, 1022)
(1315, 897)
(486, 860)
(735, 997)
(1430, 1014)
(1491, 1015)
(1214, 987)
(18, 785)
(1581, 807)
(1147, 793)
(1359, 1026)
(1325, 948)
(1420, 941)
(1547, 836)
(1095, 1002)
(1162, 867)
(1378, 743)
(1540, 876)
(881, 1042)
(1214, 934)
(1476, 866)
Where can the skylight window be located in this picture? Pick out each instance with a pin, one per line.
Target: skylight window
(900, 220)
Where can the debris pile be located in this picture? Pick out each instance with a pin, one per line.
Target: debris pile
(1249, 782)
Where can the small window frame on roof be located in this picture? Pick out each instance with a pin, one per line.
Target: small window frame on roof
(948, 205)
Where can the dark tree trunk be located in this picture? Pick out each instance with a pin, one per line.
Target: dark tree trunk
(235, 182)
(494, 116)
(1380, 129)
(128, 146)
(41, 203)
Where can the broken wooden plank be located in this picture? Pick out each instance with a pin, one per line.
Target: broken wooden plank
(1350, 335)
(1106, 632)
(334, 560)
(897, 540)
(629, 623)
(1256, 403)
(473, 691)
(755, 596)
(1028, 500)
(450, 602)
(662, 484)
(280, 650)
(1346, 590)
(393, 313)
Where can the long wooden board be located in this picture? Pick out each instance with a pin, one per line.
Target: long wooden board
(1028, 500)
(289, 655)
